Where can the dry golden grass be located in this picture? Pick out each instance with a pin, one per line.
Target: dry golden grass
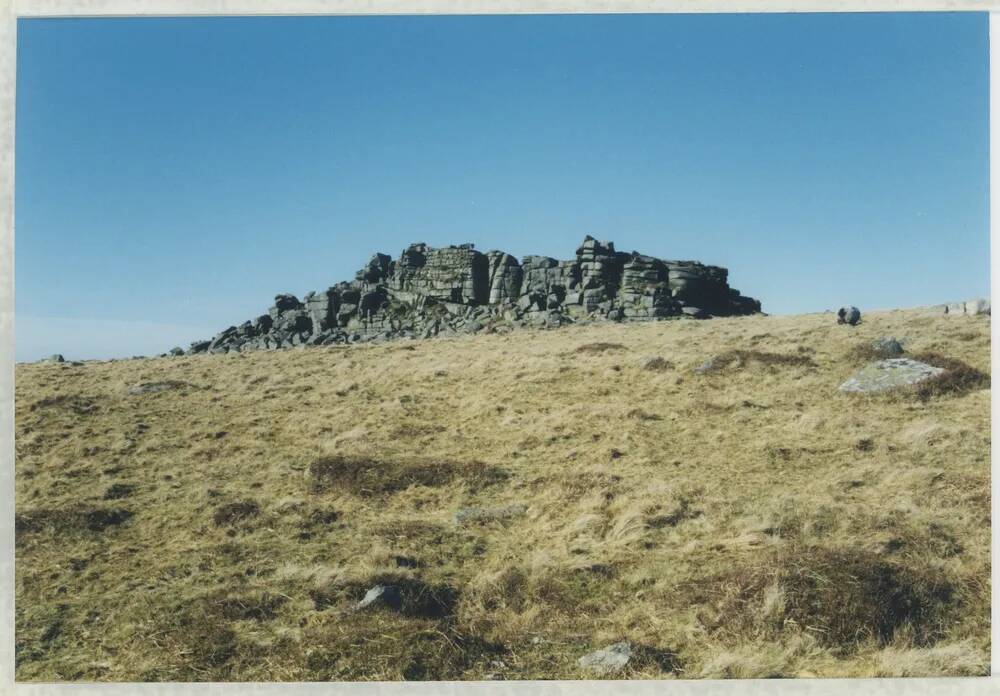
(750, 521)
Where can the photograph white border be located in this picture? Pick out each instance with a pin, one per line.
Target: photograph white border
(11, 10)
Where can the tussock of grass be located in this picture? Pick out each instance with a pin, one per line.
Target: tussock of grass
(80, 405)
(366, 477)
(599, 347)
(69, 520)
(755, 524)
(843, 597)
(735, 359)
(417, 598)
(235, 512)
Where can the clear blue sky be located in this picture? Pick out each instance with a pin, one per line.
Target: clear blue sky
(173, 175)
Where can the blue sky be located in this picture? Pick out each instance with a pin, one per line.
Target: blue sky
(173, 175)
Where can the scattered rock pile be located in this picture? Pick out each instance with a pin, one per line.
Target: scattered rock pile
(433, 292)
(970, 308)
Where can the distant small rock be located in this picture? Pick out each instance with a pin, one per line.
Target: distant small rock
(893, 373)
(705, 367)
(381, 595)
(848, 315)
(613, 658)
(888, 346)
(655, 364)
(977, 306)
(56, 358)
(972, 307)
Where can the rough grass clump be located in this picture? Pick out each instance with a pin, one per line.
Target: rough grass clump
(754, 527)
(599, 347)
(958, 377)
(260, 606)
(415, 598)
(77, 404)
(365, 476)
(68, 520)
(359, 644)
(502, 605)
(736, 359)
(238, 511)
(842, 597)
(117, 491)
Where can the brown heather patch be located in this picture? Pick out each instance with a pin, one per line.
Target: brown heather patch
(599, 347)
(235, 512)
(958, 377)
(740, 358)
(843, 597)
(366, 477)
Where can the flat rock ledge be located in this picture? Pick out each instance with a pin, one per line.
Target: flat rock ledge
(884, 375)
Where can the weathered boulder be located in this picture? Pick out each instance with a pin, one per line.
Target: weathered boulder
(892, 373)
(848, 315)
(505, 276)
(977, 306)
(888, 347)
(285, 302)
(613, 658)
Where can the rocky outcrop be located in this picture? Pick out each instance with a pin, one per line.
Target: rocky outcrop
(430, 292)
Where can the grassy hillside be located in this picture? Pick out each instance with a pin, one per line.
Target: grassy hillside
(750, 521)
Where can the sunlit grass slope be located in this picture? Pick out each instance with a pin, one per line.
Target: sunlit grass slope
(750, 521)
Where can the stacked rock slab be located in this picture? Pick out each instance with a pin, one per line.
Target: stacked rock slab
(457, 289)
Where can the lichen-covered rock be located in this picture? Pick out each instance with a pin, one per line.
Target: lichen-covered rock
(892, 373)
(445, 291)
(887, 347)
(613, 658)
